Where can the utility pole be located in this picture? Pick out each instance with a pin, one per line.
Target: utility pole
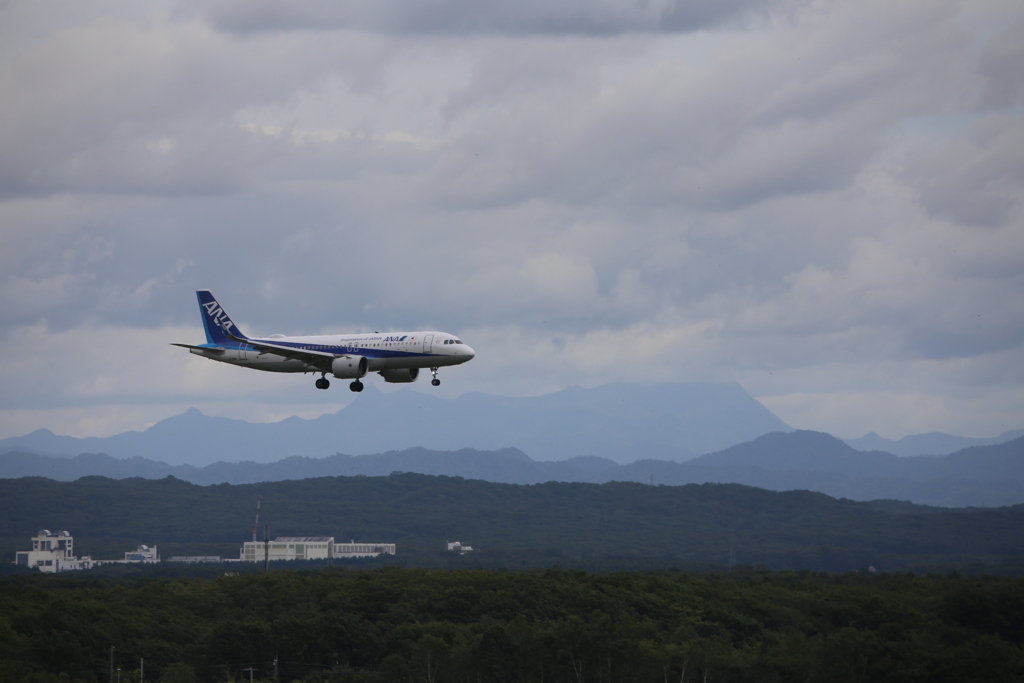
(266, 548)
(275, 669)
(250, 670)
(732, 549)
(111, 664)
(142, 669)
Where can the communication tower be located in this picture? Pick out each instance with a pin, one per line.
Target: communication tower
(259, 499)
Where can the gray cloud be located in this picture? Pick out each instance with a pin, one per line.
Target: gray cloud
(772, 116)
(579, 17)
(118, 107)
(1000, 64)
(977, 179)
(614, 199)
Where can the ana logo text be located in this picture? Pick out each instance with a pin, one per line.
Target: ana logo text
(218, 315)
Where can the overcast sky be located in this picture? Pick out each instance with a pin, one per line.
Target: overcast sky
(820, 200)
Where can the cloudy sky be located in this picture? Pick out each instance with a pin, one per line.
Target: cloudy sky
(820, 200)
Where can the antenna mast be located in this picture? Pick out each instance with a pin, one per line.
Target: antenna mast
(259, 499)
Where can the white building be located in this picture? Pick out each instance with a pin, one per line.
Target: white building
(457, 547)
(310, 548)
(289, 548)
(143, 553)
(53, 552)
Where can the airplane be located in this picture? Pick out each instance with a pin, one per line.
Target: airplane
(395, 356)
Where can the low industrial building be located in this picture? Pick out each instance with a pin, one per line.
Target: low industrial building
(353, 549)
(193, 559)
(143, 553)
(54, 552)
(310, 548)
(458, 547)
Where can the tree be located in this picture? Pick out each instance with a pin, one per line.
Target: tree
(179, 672)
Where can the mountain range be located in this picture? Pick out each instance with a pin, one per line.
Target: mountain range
(618, 422)
(980, 476)
(931, 443)
(621, 422)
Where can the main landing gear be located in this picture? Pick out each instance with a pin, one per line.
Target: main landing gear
(436, 382)
(323, 383)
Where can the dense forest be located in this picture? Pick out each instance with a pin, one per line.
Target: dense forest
(396, 624)
(602, 527)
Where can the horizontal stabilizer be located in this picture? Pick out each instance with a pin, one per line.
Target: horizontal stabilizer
(214, 349)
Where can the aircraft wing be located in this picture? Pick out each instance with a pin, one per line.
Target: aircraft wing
(320, 359)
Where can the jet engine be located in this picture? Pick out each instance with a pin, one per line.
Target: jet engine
(400, 375)
(349, 367)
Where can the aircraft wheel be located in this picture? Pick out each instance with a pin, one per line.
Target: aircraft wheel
(356, 386)
(322, 383)
(436, 382)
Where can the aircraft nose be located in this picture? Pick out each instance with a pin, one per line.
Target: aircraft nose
(468, 351)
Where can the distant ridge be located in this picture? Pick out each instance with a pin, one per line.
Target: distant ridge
(981, 476)
(622, 422)
(931, 443)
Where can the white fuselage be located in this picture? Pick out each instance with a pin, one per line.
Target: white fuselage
(386, 351)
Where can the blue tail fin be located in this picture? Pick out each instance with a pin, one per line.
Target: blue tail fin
(215, 319)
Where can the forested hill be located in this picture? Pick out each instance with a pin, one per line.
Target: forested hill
(607, 526)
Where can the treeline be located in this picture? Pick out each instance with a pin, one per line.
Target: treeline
(602, 527)
(398, 624)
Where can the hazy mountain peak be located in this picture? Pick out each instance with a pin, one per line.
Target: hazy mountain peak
(621, 422)
(798, 450)
(590, 463)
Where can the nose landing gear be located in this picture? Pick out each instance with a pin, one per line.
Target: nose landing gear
(322, 383)
(436, 382)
